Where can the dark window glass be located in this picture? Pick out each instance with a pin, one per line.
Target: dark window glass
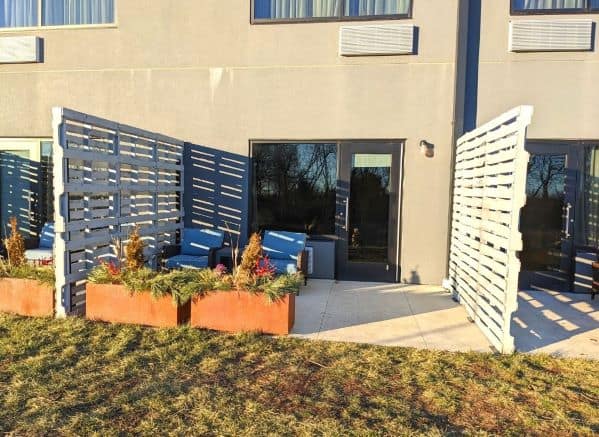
(369, 208)
(294, 187)
(588, 200)
(46, 182)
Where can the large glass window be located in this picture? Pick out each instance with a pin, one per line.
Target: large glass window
(25, 13)
(554, 6)
(18, 13)
(312, 10)
(294, 187)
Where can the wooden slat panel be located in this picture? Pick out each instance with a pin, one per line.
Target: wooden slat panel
(489, 191)
(109, 177)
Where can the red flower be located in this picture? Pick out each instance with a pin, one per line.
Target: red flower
(112, 268)
(264, 269)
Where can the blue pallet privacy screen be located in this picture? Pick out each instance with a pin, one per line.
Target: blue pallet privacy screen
(108, 178)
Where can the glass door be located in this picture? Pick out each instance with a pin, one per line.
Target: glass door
(20, 185)
(548, 219)
(367, 211)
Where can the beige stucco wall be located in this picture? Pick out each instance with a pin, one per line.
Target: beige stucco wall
(562, 87)
(199, 71)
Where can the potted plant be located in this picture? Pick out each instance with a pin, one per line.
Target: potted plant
(251, 298)
(132, 293)
(25, 289)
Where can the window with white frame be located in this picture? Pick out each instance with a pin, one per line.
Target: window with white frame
(328, 10)
(554, 6)
(34, 13)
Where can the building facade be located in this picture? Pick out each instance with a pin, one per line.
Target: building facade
(294, 118)
(543, 53)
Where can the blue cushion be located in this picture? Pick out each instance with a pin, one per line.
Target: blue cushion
(198, 242)
(187, 262)
(284, 266)
(47, 236)
(283, 245)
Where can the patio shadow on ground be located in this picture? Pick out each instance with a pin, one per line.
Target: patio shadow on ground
(558, 323)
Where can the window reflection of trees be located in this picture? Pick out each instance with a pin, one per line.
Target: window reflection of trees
(294, 187)
(546, 176)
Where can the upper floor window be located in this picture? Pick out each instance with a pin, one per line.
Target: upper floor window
(326, 10)
(554, 6)
(33, 13)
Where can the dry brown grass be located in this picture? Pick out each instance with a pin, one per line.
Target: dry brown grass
(76, 377)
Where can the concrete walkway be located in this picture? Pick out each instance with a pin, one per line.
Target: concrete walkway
(564, 324)
(385, 314)
(427, 317)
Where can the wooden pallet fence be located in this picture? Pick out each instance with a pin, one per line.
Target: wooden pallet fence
(109, 177)
(489, 192)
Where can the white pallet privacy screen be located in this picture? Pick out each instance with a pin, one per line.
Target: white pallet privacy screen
(489, 192)
(109, 177)
(551, 35)
(377, 39)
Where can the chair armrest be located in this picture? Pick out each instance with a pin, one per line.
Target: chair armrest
(595, 271)
(212, 256)
(32, 243)
(170, 250)
(302, 262)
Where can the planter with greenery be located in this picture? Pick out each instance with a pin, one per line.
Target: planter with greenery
(256, 300)
(132, 293)
(25, 289)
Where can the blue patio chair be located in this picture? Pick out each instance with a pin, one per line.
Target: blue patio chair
(44, 250)
(197, 250)
(287, 252)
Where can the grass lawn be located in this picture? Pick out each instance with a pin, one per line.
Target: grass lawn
(76, 377)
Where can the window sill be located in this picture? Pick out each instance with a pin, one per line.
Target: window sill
(66, 27)
(262, 21)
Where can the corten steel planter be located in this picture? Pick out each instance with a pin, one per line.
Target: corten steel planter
(241, 311)
(114, 303)
(26, 297)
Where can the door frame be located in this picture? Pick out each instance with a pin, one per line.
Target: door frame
(396, 150)
(400, 142)
(552, 146)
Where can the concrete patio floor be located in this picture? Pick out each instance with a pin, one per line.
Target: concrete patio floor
(385, 314)
(427, 317)
(564, 324)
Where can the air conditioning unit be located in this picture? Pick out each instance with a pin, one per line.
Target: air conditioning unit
(20, 49)
(377, 39)
(551, 35)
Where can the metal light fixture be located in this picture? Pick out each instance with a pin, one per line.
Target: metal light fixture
(427, 149)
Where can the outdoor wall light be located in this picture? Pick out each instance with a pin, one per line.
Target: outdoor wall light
(427, 149)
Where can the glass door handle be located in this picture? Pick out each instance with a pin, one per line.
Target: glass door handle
(567, 229)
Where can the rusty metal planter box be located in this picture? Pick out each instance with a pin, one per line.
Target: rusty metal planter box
(26, 297)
